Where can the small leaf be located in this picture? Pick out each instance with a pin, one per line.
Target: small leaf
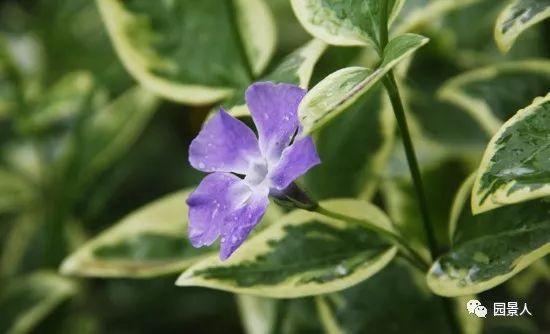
(490, 248)
(516, 163)
(517, 17)
(395, 301)
(342, 88)
(27, 301)
(301, 254)
(344, 22)
(207, 48)
(149, 242)
(485, 92)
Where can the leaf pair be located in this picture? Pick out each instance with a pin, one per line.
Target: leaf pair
(510, 229)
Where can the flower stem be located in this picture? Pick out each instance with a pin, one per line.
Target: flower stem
(397, 105)
(395, 98)
(406, 250)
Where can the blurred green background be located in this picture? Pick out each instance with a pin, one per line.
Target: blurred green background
(55, 55)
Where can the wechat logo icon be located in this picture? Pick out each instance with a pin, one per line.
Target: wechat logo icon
(474, 306)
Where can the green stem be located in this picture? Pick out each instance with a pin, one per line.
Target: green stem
(399, 111)
(407, 251)
(395, 98)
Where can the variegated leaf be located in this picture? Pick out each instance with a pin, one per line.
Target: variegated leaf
(207, 48)
(517, 17)
(344, 22)
(149, 242)
(341, 89)
(491, 247)
(516, 163)
(301, 254)
(486, 93)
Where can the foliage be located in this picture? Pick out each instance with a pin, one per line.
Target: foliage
(99, 102)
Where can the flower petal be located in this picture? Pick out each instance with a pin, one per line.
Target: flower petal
(296, 159)
(240, 223)
(216, 196)
(224, 144)
(274, 109)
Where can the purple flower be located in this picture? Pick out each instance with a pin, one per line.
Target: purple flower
(244, 169)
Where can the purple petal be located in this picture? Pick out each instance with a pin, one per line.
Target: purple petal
(216, 196)
(274, 109)
(241, 222)
(295, 161)
(224, 144)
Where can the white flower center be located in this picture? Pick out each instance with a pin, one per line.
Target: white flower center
(257, 173)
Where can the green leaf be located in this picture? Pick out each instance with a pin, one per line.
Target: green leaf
(364, 134)
(516, 163)
(109, 132)
(517, 17)
(148, 242)
(394, 301)
(342, 88)
(296, 68)
(194, 52)
(485, 92)
(344, 22)
(301, 254)
(27, 301)
(490, 248)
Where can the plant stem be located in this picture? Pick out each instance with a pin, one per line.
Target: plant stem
(395, 98)
(399, 111)
(407, 251)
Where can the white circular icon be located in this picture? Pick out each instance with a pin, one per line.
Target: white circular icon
(481, 311)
